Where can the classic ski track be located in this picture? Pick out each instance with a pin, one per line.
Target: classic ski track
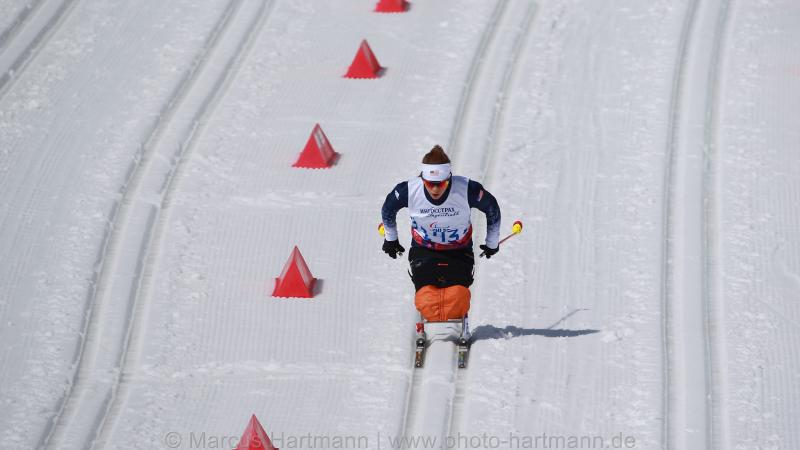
(120, 213)
(677, 157)
(110, 239)
(715, 319)
(412, 396)
(156, 233)
(489, 156)
(475, 67)
(500, 16)
(666, 250)
(18, 22)
(8, 75)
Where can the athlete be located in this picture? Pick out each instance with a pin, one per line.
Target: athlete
(439, 204)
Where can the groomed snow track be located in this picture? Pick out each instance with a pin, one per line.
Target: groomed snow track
(694, 388)
(436, 393)
(27, 32)
(119, 299)
(147, 201)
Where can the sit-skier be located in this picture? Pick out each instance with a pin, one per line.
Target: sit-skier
(441, 256)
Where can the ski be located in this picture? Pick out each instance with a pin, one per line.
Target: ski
(419, 355)
(463, 344)
(463, 353)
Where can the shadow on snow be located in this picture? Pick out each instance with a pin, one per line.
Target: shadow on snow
(492, 332)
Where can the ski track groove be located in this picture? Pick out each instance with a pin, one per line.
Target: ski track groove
(488, 157)
(485, 154)
(715, 318)
(150, 246)
(109, 242)
(9, 71)
(89, 302)
(666, 273)
(412, 397)
(673, 302)
(13, 29)
(120, 216)
(475, 68)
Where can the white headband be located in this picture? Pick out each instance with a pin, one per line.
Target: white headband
(435, 172)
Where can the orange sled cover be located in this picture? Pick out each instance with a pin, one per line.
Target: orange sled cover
(441, 304)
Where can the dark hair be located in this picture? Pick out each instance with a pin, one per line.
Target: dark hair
(436, 156)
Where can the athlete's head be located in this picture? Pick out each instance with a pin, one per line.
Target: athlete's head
(435, 172)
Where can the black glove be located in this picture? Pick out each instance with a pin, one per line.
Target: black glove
(488, 252)
(393, 248)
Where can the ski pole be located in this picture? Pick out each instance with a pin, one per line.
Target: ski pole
(515, 230)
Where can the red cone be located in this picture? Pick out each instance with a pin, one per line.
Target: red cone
(318, 152)
(295, 280)
(254, 437)
(391, 6)
(364, 65)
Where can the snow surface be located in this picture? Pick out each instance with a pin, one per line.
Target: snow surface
(14, 12)
(147, 202)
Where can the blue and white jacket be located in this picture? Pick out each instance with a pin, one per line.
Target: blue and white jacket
(442, 224)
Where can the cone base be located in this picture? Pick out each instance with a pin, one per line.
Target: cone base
(293, 291)
(386, 6)
(304, 163)
(362, 75)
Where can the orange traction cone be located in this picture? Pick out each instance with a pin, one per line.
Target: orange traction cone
(442, 304)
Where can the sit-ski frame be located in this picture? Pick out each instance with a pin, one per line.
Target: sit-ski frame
(462, 342)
